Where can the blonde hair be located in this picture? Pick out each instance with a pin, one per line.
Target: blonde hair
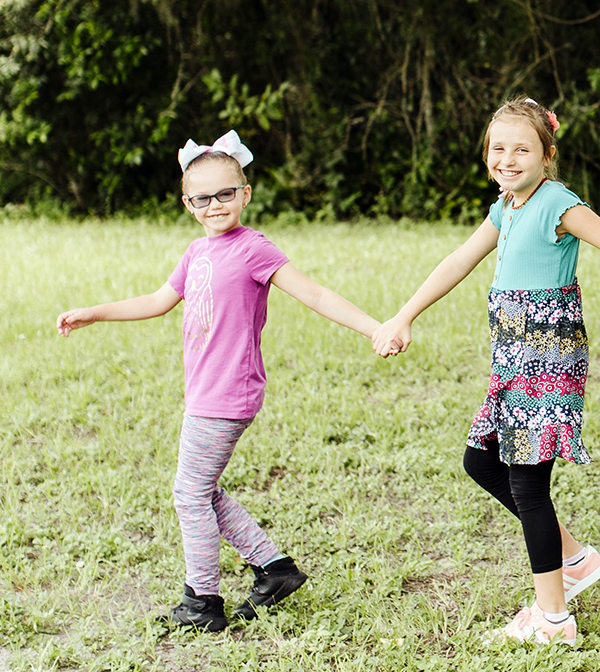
(537, 115)
(221, 157)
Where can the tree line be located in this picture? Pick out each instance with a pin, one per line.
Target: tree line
(350, 106)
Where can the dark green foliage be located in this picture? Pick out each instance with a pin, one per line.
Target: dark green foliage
(373, 106)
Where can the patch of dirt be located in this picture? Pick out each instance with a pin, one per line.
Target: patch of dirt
(4, 657)
(274, 474)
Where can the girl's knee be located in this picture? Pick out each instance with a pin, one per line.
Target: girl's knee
(476, 463)
(186, 498)
(470, 463)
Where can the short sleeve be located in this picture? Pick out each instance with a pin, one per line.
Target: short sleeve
(496, 210)
(552, 207)
(178, 276)
(263, 258)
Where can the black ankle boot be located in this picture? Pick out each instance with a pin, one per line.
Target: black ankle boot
(271, 584)
(200, 611)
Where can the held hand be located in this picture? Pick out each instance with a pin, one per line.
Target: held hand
(74, 319)
(395, 344)
(392, 337)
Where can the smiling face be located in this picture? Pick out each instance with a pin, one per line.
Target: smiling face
(210, 178)
(515, 156)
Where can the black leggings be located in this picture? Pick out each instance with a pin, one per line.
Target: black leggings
(524, 489)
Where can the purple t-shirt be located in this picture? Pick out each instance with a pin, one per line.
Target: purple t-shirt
(224, 281)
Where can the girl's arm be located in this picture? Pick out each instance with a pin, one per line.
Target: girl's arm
(582, 223)
(323, 300)
(139, 308)
(454, 268)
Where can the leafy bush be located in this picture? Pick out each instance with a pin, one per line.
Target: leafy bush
(368, 106)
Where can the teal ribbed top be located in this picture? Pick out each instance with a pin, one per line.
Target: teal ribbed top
(529, 254)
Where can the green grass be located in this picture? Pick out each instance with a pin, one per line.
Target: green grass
(353, 466)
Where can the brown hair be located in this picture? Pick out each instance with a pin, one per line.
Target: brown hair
(537, 116)
(212, 156)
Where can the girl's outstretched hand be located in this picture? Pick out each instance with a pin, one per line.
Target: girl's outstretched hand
(391, 337)
(74, 319)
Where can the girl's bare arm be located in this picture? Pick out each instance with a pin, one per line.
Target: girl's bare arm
(138, 308)
(582, 223)
(449, 273)
(323, 300)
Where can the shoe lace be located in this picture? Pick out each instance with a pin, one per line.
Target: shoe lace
(521, 619)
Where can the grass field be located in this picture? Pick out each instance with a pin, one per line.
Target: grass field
(353, 466)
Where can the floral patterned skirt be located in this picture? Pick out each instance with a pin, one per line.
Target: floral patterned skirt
(534, 403)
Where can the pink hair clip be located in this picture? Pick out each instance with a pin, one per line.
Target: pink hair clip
(553, 121)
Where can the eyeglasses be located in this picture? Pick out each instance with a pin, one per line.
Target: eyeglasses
(223, 196)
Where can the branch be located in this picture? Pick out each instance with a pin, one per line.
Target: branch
(20, 168)
(566, 22)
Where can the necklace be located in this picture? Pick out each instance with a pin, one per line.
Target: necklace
(516, 207)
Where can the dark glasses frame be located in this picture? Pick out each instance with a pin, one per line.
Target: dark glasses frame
(203, 200)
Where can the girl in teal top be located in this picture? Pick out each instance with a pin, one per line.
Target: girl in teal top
(532, 412)
(530, 254)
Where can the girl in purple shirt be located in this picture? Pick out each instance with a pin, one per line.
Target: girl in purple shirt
(224, 279)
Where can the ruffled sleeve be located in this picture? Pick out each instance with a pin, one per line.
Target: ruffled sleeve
(557, 200)
(496, 210)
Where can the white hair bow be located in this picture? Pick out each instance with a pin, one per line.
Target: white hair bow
(229, 143)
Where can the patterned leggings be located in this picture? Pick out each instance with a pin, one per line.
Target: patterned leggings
(206, 512)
